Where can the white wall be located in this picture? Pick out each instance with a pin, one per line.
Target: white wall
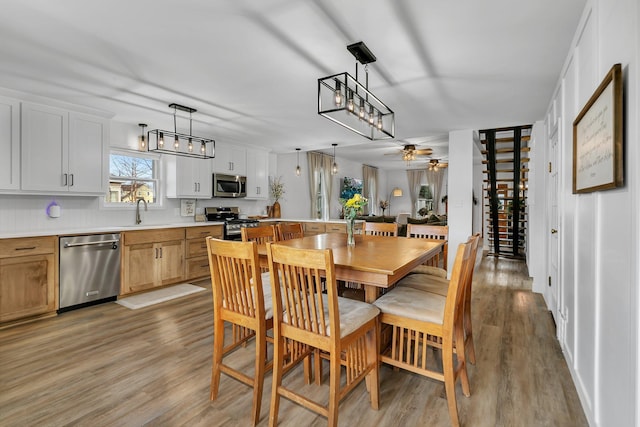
(460, 185)
(599, 232)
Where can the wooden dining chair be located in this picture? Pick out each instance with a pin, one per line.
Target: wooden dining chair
(242, 298)
(290, 230)
(420, 320)
(343, 329)
(440, 286)
(438, 232)
(260, 235)
(381, 229)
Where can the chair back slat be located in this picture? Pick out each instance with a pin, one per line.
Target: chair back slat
(290, 230)
(437, 232)
(455, 295)
(260, 235)
(381, 228)
(296, 276)
(235, 278)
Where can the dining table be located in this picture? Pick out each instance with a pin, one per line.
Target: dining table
(376, 262)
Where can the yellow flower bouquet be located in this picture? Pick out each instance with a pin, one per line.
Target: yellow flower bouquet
(352, 207)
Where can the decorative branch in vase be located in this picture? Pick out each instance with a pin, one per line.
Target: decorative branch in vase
(384, 205)
(276, 188)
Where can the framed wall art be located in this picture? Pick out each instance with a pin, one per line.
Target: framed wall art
(598, 139)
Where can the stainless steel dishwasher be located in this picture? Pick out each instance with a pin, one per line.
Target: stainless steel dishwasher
(89, 270)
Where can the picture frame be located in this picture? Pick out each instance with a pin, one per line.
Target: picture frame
(598, 138)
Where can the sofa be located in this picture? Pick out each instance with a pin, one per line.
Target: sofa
(402, 228)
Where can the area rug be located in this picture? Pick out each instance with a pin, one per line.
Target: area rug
(161, 295)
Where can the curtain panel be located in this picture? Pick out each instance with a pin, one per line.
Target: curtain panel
(370, 188)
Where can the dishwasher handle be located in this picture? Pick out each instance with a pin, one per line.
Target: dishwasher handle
(101, 242)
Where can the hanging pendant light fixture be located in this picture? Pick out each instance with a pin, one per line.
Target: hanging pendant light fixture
(183, 145)
(334, 168)
(142, 142)
(363, 112)
(298, 170)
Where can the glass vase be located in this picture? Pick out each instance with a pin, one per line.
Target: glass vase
(351, 240)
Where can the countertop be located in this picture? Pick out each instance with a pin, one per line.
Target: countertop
(109, 229)
(124, 228)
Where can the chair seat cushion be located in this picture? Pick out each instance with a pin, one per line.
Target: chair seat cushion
(353, 314)
(429, 269)
(426, 282)
(413, 304)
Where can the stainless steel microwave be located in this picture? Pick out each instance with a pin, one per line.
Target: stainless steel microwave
(229, 185)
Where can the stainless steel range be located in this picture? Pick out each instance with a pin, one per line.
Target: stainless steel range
(232, 224)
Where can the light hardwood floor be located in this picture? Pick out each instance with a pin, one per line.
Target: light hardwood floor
(111, 366)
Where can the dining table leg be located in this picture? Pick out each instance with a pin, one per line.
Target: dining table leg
(371, 293)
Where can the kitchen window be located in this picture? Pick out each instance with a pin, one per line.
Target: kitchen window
(132, 176)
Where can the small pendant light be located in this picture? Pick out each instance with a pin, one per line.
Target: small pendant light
(298, 170)
(142, 141)
(334, 168)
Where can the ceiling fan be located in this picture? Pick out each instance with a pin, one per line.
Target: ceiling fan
(434, 164)
(409, 152)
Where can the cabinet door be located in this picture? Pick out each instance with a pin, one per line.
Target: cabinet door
(140, 267)
(230, 160)
(171, 262)
(88, 142)
(9, 144)
(257, 174)
(27, 286)
(45, 133)
(188, 177)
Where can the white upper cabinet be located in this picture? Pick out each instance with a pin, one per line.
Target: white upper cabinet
(63, 152)
(230, 160)
(257, 174)
(188, 177)
(9, 143)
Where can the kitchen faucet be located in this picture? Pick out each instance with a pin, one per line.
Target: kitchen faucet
(138, 219)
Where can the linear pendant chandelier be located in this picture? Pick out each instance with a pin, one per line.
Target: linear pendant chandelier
(349, 103)
(179, 144)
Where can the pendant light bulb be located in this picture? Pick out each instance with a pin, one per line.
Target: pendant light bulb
(379, 124)
(142, 141)
(161, 140)
(298, 170)
(334, 168)
(190, 146)
(203, 148)
(371, 116)
(361, 112)
(337, 97)
(176, 143)
(350, 105)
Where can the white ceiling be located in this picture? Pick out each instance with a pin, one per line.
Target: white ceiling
(251, 67)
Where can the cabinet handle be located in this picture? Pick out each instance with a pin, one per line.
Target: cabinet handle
(71, 185)
(65, 180)
(156, 253)
(198, 187)
(28, 248)
(257, 190)
(205, 266)
(160, 252)
(195, 186)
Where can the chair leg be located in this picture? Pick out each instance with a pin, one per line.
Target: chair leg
(462, 360)
(218, 343)
(317, 362)
(278, 363)
(334, 388)
(373, 377)
(258, 379)
(450, 382)
(467, 328)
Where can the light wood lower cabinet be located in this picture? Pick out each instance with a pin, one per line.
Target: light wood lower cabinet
(312, 228)
(28, 284)
(197, 259)
(152, 258)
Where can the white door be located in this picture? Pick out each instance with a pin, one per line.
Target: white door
(553, 251)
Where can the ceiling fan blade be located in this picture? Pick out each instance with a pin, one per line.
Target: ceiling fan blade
(424, 151)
